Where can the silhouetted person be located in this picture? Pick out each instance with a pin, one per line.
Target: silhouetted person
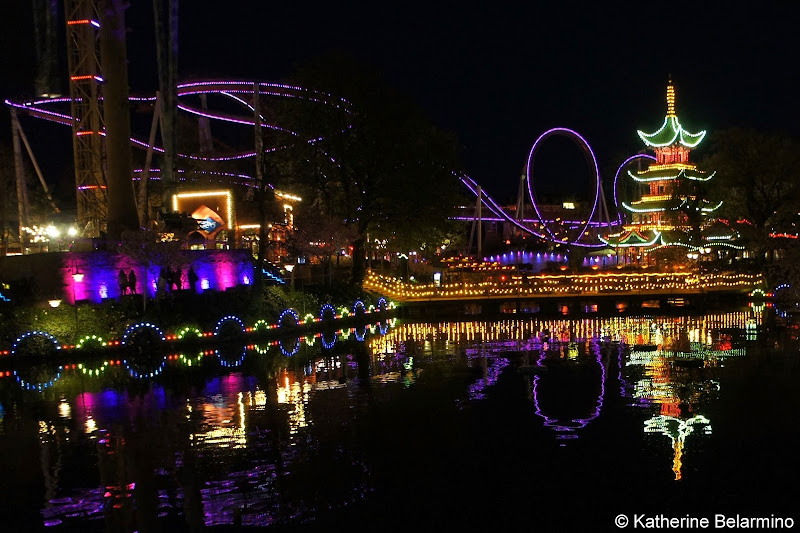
(168, 276)
(132, 282)
(175, 279)
(192, 279)
(161, 285)
(122, 278)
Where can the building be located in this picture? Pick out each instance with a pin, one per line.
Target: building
(672, 210)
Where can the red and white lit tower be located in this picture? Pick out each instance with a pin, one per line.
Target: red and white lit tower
(101, 137)
(85, 82)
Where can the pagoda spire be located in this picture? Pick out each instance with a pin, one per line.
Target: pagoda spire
(670, 98)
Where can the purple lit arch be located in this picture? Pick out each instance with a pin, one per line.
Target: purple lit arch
(590, 159)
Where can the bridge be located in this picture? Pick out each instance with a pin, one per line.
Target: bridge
(523, 286)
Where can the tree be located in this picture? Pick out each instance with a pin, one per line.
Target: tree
(319, 235)
(376, 162)
(146, 248)
(8, 208)
(760, 174)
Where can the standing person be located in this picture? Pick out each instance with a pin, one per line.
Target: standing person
(161, 285)
(122, 278)
(168, 277)
(192, 279)
(176, 279)
(132, 281)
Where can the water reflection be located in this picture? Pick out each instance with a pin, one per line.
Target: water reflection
(677, 385)
(274, 433)
(677, 430)
(570, 393)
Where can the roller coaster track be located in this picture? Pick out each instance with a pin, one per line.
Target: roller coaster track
(242, 93)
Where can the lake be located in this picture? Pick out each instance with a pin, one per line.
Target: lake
(547, 425)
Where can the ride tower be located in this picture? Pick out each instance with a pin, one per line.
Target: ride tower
(671, 210)
(88, 128)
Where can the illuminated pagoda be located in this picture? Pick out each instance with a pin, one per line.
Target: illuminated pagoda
(672, 210)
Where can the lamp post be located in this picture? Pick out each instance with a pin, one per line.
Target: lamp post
(77, 277)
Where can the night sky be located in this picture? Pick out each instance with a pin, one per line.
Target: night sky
(496, 76)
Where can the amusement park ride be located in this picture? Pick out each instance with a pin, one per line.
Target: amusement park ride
(110, 192)
(205, 184)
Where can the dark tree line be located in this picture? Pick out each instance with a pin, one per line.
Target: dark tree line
(759, 182)
(379, 167)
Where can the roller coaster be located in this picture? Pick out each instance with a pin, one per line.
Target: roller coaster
(582, 231)
(57, 110)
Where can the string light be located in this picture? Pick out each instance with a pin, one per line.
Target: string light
(566, 284)
(229, 318)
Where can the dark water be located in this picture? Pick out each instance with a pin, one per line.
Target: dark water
(525, 424)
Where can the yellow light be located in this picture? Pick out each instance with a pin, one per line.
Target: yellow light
(670, 99)
(203, 194)
(286, 196)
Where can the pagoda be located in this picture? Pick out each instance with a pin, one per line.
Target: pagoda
(671, 210)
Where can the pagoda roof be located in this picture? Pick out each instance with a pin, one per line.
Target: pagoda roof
(656, 206)
(667, 204)
(671, 173)
(632, 238)
(671, 132)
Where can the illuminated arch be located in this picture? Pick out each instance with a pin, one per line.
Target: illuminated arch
(591, 160)
(93, 339)
(288, 312)
(328, 312)
(261, 324)
(188, 331)
(35, 333)
(141, 326)
(226, 319)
